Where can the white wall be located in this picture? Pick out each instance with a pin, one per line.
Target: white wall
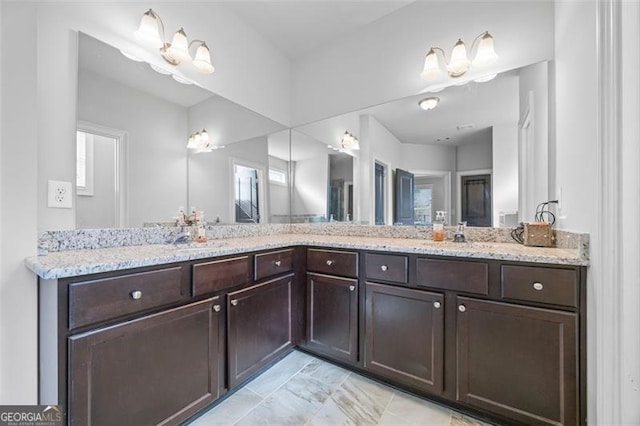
(98, 210)
(576, 150)
(156, 179)
(310, 181)
(18, 214)
(476, 155)
(279, 202)
(505, 170)
(383, 60)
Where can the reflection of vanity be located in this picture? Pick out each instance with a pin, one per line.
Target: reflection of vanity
(464, 325)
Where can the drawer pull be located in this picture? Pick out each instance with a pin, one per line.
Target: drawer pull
(436, 305)
(352, 287)
(538, 286)
(136, 294)
(234, 302)
(330, 262)
(384, 268)
(216, 308)
(277, 263)
(462, 308)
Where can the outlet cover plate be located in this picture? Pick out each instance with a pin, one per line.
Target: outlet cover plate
(59, 194)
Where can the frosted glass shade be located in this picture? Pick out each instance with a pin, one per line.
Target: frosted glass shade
(147, 32)
(428, 104)
(459, 63)
(179, 48)
(486, 54)
(202, 61)
(431, 66)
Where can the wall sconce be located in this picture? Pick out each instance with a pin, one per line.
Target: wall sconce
(151, 33)
(460, 63)
(349, 141)
(429, 103)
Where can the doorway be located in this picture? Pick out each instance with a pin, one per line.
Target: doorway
(100, 189)
(379, 184)
(246, 194)
(475, 198)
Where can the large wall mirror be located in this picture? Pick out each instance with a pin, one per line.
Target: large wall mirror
(480, 155)
(133, 165)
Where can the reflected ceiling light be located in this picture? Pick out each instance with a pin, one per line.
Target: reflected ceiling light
(429, 103)
(199, 140)
(151, 33)
(460, 63)
(349, 141)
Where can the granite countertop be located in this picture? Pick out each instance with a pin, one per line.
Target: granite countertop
(71, 263)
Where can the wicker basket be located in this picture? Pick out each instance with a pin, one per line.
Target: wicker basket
(538, 234)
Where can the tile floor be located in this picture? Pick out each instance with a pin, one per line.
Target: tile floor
(303, 390)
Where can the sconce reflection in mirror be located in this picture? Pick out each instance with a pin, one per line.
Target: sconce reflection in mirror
(201, 142)
(349, 141)
(460, 63)
(151, 33)
(429, 103)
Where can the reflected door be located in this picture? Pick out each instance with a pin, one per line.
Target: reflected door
(403, 212)
(476, 199)
(246, 199)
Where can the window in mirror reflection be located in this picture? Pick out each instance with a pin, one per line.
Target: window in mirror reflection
(246, 194)
(422, 202)
(277, 176)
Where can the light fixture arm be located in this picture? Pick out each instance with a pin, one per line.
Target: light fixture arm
(475, 41)
(439, 49)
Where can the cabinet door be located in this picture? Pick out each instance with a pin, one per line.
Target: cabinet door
(154, 370)
(518, 361)
(259, 326)
(332, 316)
(405, 336)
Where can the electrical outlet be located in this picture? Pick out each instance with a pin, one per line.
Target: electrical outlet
(59, 194)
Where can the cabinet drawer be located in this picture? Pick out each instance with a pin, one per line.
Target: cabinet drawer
(471, 277)
(273, 263)
(344, 263)
(100, 300)
(386, 267)
(220, 274)
(539, 284)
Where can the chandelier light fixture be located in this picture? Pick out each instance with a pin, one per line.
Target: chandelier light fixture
(349, 141)
(460, 63)
(429, 103)
(151, 33)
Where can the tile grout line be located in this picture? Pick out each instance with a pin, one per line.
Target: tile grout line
(275, 390)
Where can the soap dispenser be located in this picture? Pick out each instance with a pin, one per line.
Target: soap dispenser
(438, 226)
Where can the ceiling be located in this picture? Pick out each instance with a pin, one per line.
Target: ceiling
(298, 27)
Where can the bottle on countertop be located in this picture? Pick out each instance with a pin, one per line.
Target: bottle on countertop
(438, 226)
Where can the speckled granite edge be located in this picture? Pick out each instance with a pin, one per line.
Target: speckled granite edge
(82, 262)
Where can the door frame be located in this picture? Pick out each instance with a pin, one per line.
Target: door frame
(263, 210)
(459, 175)
(446, 175)
(121, 136)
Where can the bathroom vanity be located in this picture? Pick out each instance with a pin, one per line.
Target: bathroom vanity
(154, 334)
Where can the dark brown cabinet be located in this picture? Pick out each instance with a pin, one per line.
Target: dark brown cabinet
(259, 326)
(405, 336)
(516, 361)
(157, 369)
(332, 316)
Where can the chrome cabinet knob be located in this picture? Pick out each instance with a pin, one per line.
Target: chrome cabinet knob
(462, 308)
(436, 305)
(234, 302)
(277, 263)
(136, 294)
(384, 268)
(216, 308)
(330, 262)
(538, 286)
(352, 287)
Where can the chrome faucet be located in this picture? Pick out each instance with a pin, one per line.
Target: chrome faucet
(459, 237)
(181, 238)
